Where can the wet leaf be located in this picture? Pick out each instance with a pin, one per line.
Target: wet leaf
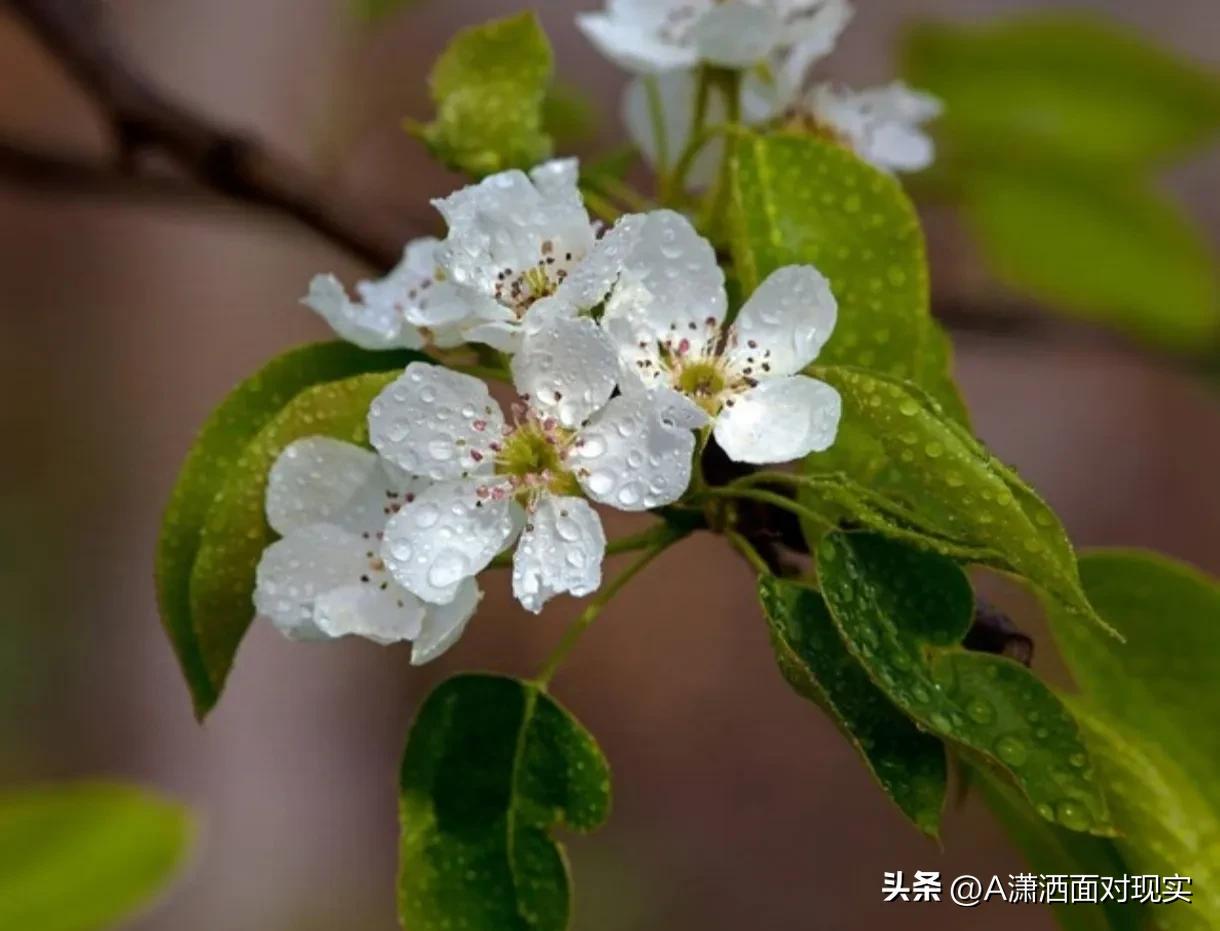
(1149, 707)
(489, 86)
(492, 766)
(909, 470)
(220, 443)
(903, 613)
(907, 763)
(82, 857)
(798, 199)
(1052, 850)
(1081, 88)
(236, 531)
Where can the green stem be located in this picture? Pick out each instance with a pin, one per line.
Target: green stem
(746, 548)
(656, 113)
(772, 498)
(600, 600)
(600, 206)
(625, 194)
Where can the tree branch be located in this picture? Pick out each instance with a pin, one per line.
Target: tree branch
(218, 158)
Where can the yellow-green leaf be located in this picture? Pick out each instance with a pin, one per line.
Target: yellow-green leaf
(82, 857)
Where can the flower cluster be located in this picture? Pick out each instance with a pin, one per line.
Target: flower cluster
(774, 44)
(624, 361)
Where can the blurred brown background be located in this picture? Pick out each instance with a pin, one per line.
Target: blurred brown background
(121, 325)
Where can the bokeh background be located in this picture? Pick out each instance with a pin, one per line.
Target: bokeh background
(737, 805)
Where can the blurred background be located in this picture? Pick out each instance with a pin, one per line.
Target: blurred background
(736, 804)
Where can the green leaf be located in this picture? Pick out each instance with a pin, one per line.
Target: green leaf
(216, 450)
(1149, 708)
(903, 613)
(907, 469)
(1052, 850)
(798, 199)
(1108, 249)
(489, 86)
(569, 115)
(908, 764)
(491, 766)
(81, 857)
(236, 531)
(1078, 88)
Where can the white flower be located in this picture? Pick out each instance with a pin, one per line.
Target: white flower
(522, 250)
(654, 36)
(325, 579)
(882, 125)
(496, 482)
(666, 315)
(406, 309)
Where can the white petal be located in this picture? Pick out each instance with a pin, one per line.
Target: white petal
(313, 480)
(373, 326)
(881, 124)
(736, 34)
(568, 369)
(447, 534)
(676, 92)
(499, 334)
(435, 422)
(384, 615)
(561, 550)
(784, 324)
(443, 624)
(636, 454)
(507, 224)
(559, 179)
(590, 281)
(812, 34)
(296, 570)
(779, 421)
(632, 45)
(671, 290)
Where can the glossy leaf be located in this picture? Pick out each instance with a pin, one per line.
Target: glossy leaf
(913, 472)
(1150, 708)
(1052, 850)
(798, 199)
(903, 613)
(1107, 249)
(489, 86)
(1082, 89)
(82, 857)
(236, 531)
(908, 764)
(492, 766)
(220, 444)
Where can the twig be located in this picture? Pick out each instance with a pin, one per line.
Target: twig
(219, 158)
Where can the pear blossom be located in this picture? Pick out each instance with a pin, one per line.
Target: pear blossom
(666, 315)
(408, 308)
(325, 578)
(655, 36)
(882, 124)
(520, 250)
(530, 480)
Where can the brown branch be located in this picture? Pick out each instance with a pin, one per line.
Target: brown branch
(218, 158)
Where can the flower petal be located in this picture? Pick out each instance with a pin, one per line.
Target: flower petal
(561, 550)
(636, 454)
(435, 422)
(736, 34)
(384, 615)
(671, 291)
(568, 369)
(784, 324)
(378, 325)
(779, 421)
(447, 534)
(881, 124)
(676, 90)
(295, 571)
(630, 43)
(314, 480)
(812, 30)
(443, 624)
